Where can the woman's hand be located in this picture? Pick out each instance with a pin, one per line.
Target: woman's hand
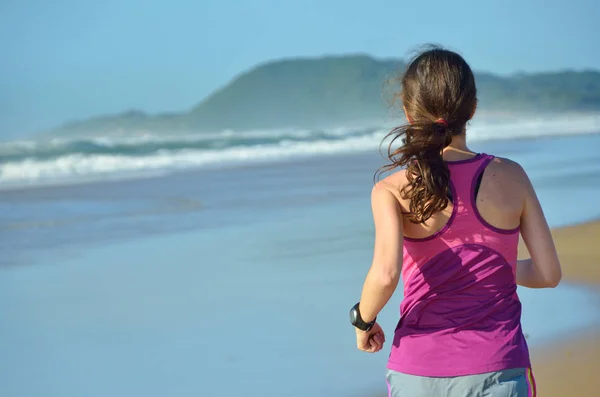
(371, 341)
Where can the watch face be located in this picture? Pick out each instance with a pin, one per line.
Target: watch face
(353, 316)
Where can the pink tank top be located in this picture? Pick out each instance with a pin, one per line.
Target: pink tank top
(461, 314)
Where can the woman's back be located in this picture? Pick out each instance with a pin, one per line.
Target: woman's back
(459, 276)
(500, 196)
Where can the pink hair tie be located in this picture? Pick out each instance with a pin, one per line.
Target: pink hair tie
(442, 122)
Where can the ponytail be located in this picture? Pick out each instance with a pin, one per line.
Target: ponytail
(427, 173)
(436, 83)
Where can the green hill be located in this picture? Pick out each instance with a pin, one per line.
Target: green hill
(299, 92)
(339, 90)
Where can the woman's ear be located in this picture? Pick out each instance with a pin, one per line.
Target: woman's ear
(410, 120)
(473, 111)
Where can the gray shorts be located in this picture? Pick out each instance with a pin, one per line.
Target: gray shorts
(508, 383)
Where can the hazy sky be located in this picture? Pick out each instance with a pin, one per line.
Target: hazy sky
(69, 59)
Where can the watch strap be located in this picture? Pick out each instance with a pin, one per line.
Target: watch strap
(357, 320)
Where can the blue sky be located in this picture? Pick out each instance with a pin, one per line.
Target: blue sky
(67, 59)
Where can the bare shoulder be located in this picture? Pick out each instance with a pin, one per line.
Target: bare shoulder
(390, 187)
(507, 170)
(392, 183)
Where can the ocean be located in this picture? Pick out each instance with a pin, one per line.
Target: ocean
(56, 160)
(226, 263)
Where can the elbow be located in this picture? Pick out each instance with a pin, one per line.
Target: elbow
(385, 270)
(388, 280)
(553, 283)
(554, 280)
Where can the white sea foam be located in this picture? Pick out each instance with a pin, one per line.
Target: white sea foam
(63, 161)
(78, 165)
(515, 127)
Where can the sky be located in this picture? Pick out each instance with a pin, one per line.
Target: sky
(66, 60)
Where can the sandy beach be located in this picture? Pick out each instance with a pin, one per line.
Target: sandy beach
(579, 252)
(571, 367)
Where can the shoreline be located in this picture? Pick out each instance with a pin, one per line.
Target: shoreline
(569, 366)
(580, 259)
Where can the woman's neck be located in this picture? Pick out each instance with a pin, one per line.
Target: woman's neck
(457, 148)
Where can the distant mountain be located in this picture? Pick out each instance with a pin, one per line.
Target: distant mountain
(337, 90)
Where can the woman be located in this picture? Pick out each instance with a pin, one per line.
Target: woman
(449, 220)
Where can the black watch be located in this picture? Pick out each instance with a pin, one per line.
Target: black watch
(357, 320)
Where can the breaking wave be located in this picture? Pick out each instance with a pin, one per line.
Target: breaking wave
(62, 160)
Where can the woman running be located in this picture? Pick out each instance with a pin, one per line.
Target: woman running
(449, 221)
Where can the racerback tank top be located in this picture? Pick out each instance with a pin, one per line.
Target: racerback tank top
(460, 314)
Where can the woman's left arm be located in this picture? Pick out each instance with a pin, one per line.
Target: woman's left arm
(384, 274)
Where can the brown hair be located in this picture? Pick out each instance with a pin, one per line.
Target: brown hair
(439, 97)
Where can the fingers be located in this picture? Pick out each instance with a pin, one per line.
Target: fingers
(374, 346)
(376, 342)
(371, 343)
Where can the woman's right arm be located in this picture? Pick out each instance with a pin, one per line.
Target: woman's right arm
(542, 270)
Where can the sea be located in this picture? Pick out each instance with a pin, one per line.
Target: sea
(225, 263)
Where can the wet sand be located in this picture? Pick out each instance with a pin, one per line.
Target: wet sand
(572, 367)
(579, 249)
(569, 368)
